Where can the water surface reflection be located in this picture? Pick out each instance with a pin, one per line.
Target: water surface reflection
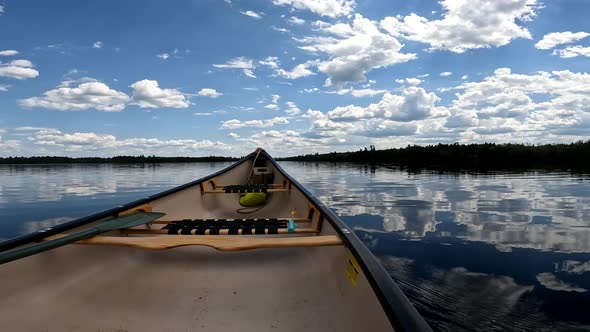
(34, 197)
(499, 251)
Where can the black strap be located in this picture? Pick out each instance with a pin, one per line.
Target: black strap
(247, 226)
(246, 188)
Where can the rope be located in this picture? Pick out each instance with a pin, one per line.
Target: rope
(246, 210)
(258, 150)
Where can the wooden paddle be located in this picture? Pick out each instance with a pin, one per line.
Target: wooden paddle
(135, 219)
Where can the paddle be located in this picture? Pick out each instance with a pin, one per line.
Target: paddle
(135, 219)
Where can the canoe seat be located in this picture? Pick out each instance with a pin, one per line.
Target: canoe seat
(226, 226)
(246, 188)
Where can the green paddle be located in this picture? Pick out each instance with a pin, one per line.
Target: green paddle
(135, 219)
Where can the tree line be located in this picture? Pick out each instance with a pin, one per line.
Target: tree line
(486, 156)
(117, 159)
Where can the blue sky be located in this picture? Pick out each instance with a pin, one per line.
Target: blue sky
(293, 76)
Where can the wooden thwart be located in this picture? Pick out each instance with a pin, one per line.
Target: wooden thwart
(222, 243)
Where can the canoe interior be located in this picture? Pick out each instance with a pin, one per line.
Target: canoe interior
(114, 288)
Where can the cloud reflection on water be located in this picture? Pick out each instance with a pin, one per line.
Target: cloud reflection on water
(457, 299)
(482, 252)
(551, 281)
(34, 197)
(540, 210)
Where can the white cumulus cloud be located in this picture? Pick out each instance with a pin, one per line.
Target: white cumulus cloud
(21, 63)
(354, 49)
(330, 8)
(409, 81)
(365, 92)
(19, 69)
(147, 94)
(20, 73)
(403, 116)
(296, 20)
(467, 24)
(282, 30)
(247, 65)
(553, 39)
(235, 123)
(103, 144)
(97, 44)
(544, 106)
(301, 70)
(274, 100)
(573, 51)
(292, 108)
(95, 95)
(252, 14)
(414, 103)
(271, 61)
(8, 52)
(540, 107)
(208, 92)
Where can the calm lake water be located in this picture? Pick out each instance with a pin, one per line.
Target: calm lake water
(487, 252)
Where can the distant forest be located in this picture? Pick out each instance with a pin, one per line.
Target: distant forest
(487, 156)
(117, 159)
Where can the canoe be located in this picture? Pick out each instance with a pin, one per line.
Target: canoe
(196, 258)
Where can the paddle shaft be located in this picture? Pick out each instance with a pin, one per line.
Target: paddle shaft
(41, 247)
(127, 221)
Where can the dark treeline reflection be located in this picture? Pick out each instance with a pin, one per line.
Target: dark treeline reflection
(117, 159)
(472, 156)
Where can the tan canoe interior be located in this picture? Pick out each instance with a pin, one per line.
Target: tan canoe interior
(292, 287)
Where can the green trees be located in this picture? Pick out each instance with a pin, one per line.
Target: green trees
(486, 156)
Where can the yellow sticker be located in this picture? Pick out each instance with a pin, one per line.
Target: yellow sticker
(352, 270)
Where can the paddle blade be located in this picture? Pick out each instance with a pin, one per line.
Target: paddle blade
(131, 220)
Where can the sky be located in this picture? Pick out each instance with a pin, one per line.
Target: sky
(204, 77)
